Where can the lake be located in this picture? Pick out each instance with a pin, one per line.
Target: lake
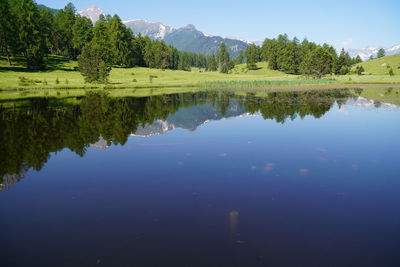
(292, 178)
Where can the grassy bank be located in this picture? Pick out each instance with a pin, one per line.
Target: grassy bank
(63, 79)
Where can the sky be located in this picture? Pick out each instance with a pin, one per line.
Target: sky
(348, 24)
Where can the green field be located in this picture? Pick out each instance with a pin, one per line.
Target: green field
(64, 80)
(381, 65)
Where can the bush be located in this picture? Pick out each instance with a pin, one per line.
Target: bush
(360, 70)
(66, 81)
(391, 73)
(23, 81)
(57, 81)
(134, 80)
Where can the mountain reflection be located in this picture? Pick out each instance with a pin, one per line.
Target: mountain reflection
(32, 129)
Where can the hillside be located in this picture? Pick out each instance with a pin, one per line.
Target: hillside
(381, 65)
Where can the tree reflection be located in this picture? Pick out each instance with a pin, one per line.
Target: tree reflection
(30, 132)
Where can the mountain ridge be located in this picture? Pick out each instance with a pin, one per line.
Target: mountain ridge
(190, 39)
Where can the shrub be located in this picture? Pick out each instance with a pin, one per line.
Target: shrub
(23, 81)
(134, 80)
(391, 73)
(57, 81)
(360, 70)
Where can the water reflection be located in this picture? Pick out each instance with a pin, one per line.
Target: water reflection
(32, 129)
(233, 223)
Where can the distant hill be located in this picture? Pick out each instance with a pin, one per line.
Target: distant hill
(382, 65)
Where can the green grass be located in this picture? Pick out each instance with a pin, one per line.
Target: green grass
(18, 82)
(381, 66)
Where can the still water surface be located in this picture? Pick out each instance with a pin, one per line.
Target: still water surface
(202, 179)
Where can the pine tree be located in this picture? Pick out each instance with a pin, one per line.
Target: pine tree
(33, 44)
(82, 32)
(102, 40)
(240, 58)
(7, 31)
(289, 59)
(64, 20)
(318, 63)
(381, 53)
(252, 57)
(212, 64)
(93, 64)
(121, 39)
(342, 63)
(223, 59)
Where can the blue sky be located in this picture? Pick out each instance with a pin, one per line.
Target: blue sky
(352, 24)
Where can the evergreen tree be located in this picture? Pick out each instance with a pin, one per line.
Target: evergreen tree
(93, 63)
(290, 58)
(33, 44)
(161, 58)
(381, 53)
(318, 63)
(252, 57)
(240, 58)
(148, 53)
(7, 31)
(270, 53)
(342, 63)
(82, 32)
(138, 47)
(64, 20)
(101, 38)
(121, 39)
(212, 64)
(223, 59)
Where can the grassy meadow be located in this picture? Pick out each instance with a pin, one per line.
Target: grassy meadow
(381, 66)
(63, 79)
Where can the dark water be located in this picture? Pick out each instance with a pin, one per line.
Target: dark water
(203, 179)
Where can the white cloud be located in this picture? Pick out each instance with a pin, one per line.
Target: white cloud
(347, 42)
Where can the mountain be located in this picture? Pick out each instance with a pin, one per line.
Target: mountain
(155, 30)
(186, 38)
(367, 52)
(10, 179)
(191, 39)
(190, 118)
(92, 12)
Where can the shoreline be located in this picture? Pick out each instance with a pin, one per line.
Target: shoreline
(21, 94)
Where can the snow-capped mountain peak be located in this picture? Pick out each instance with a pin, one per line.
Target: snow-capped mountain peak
(92, 12)
(366, 52)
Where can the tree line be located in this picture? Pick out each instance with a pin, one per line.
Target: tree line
(295, 57)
